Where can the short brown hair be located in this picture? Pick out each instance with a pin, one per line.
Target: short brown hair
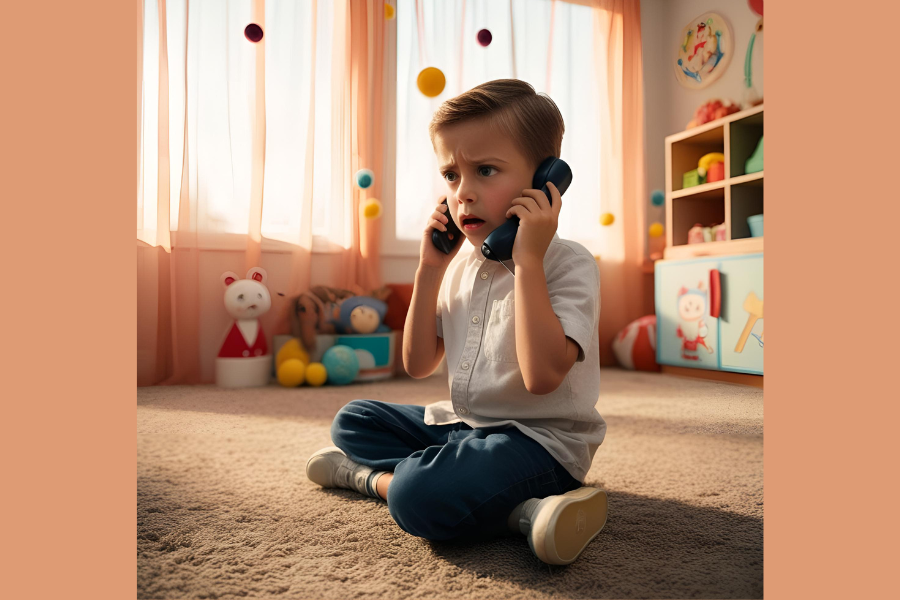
(531, 119)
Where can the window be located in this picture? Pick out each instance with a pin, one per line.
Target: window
(561, 65)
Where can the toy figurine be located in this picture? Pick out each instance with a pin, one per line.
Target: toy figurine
(243, 359)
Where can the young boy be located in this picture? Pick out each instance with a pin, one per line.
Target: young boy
(510, 449)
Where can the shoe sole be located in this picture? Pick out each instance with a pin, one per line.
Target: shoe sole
(322, 471)
(564, 527)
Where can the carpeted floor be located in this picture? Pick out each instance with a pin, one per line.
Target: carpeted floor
(225, 510)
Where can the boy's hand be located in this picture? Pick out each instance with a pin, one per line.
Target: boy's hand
(538, 220)
(429, 255)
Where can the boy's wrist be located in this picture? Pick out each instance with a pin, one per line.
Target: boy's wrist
(429, 276)
(529, 265)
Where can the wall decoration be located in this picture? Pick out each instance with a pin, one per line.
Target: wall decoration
(704, 51)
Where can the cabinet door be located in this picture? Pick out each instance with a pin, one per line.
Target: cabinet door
(740, 322)
(686, 334)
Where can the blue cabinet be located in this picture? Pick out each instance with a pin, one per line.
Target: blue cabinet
(709, 313)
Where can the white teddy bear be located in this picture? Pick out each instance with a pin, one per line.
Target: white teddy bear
(243, 359)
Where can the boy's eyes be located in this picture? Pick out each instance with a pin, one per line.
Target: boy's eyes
(484, 171)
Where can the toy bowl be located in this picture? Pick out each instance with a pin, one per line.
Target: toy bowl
(756, 225)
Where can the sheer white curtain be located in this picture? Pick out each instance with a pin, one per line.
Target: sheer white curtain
(305, 146)
(547, 43)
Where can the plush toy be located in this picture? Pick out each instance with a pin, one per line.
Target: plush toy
(319, 311)
(243, 359)
(362, 314)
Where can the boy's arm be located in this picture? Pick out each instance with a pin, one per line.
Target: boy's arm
(544, 352)
(423, 350)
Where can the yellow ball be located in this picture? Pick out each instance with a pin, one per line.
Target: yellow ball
(431, 82)
(291, 372)
(292, 349)
(656, 230)
(388, 11)
(371, 208)
(606, 219)
(316, 374)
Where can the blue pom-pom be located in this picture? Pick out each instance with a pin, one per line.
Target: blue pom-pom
(658, 198)
(365, 178)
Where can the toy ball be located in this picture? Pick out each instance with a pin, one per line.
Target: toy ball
(253, 32)
(657, 198)
(635, 346)
(656, 230)
(389, 12)
(292, 349)
(431, 81)
(291, 372)
(316, 374)
(485, 37)
(366, 359)
(371, 209)
(342, 364)
(607, 219)
(364, 178)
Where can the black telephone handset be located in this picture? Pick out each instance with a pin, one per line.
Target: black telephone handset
(499, 243)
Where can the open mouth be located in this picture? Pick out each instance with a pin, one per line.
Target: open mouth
(470, 223)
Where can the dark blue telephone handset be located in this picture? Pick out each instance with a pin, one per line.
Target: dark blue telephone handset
(499, 243)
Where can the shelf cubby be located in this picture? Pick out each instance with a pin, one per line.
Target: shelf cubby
(745, 134)
(685, 153)
(705, 208)
(746, 200)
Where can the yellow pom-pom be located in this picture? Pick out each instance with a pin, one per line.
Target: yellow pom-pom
(292, 349)
(657, 230)
(316, 374)
(431, 82)
(606, 219)
(291, 372)
(389, 12)
(371, 208)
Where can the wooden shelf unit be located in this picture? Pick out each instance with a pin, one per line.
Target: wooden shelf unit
(729, 201)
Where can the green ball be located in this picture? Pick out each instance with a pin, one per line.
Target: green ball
(342, 364)
(658, 198)
(365, 178)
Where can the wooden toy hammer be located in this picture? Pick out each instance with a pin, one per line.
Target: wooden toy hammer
(754, 306)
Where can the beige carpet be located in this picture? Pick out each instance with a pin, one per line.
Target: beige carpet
(225, 510)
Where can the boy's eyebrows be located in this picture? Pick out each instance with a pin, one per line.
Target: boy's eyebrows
(478, 161)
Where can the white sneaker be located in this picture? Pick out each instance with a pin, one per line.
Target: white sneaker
(561, 527)
(330, 467)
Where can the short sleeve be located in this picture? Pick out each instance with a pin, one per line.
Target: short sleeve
(574, 287)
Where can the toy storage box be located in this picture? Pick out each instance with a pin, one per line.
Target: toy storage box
(376, 352)
(740, 281)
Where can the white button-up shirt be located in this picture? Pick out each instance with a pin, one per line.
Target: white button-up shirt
(476, 318)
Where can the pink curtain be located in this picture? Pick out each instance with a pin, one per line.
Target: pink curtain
(181, 319)
(365, 80)
(625, 291)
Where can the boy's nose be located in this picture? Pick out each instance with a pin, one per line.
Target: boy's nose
(465, 193)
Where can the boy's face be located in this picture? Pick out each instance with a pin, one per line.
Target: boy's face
(485, 171)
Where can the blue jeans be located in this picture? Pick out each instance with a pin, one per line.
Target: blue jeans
(450, 481)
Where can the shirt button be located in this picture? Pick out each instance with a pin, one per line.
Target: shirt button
(484, 275)
(465, 366)
(475, 319)
(463, 411)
